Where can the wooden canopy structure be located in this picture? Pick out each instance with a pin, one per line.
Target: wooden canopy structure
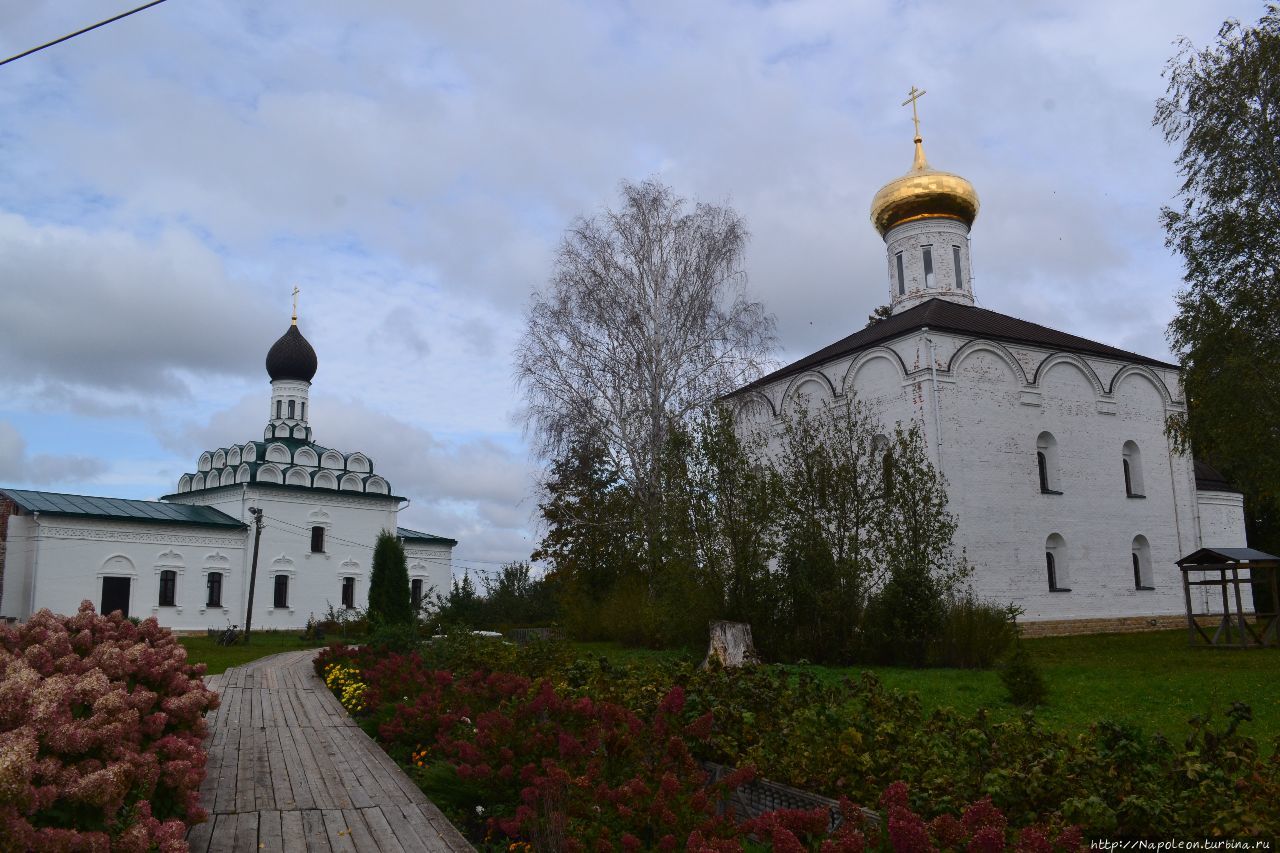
(1223, 567)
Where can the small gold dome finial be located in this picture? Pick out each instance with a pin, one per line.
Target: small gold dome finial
(923, 192)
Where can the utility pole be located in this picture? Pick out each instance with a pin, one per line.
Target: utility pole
(256, 512)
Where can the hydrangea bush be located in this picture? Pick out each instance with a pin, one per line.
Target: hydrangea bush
(101, 735)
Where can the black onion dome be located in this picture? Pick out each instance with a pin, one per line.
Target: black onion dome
(291, 357)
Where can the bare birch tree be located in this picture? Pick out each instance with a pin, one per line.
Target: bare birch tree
(645, 323)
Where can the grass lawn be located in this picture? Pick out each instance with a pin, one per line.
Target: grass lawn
(1151, 680)
(202, 649)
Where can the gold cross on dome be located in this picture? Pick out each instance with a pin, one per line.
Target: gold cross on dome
(912, 97)
(295, 304)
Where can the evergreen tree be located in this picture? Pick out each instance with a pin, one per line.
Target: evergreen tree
(390, 599)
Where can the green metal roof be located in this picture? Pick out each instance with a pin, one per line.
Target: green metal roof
(119, 509)
(418, 536)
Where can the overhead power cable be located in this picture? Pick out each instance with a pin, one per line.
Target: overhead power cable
(81, 32)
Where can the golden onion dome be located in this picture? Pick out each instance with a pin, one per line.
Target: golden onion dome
(923, 193)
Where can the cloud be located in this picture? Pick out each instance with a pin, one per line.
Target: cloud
(112, 310)
(18, 466)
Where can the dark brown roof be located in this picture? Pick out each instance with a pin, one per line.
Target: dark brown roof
(1208, 479)
(292, 357)
(947, 316)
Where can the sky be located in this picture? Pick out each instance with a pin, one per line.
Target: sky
(165, 182)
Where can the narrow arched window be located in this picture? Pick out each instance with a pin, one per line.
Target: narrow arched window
(1047, 463)
(902, 279)
(930, 281)
(279, 408)
(955, 257)
(1055, 561)
(168, 587)
(281, 597)
(291, 405)
(214, 588)
(1140, 559)
(415, 591)
(1131, 460)
(302, 415)
(348, 593)
(317, 539)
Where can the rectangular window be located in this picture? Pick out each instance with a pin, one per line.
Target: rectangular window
(291, 405)
(317, 540)
(282, 591)
(955, 256)
(168, 587)
(902, 280)
(929, 281)
(415, 589)
(279, 407)
(214, 598)
(303, 413)
(348, 593)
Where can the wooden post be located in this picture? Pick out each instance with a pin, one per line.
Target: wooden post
(1191, 619)
(731, 645)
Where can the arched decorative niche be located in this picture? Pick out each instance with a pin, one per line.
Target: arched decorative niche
(306, 456)
(332, 459)
(377, 486)
(277, 453)
(351, 483)
(184, 483)
(269, 474)
(233, 456)
(250, 452)
(991, 357)
(326, 480)
(297, 477)
(243, 474)
(197, 482)
(228, 476)
(1062, 360)
(205, 463)
(359, 463)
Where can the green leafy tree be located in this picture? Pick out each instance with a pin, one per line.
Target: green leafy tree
(1222, 111)
(390, 599)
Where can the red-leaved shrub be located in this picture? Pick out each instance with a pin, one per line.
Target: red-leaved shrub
(101, 730)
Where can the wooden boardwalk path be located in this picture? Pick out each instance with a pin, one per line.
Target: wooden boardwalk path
(289, 770)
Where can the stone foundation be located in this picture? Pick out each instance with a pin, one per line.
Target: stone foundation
(1110, 625)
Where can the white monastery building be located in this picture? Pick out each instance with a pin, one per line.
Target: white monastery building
(1070, 501)
(186, 558)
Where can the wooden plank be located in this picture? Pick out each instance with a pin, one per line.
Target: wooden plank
(399, 825)
(427, 834)
(380, 831)
(360, 835)
(335, 824)
(292, 838)
(245, 799)
(224, 834)
(299, 790)
(314, 832)
(198, 836)
(263, 790)
(246, 832)
(270, 837)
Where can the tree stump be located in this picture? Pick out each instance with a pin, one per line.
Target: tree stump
(731, 645)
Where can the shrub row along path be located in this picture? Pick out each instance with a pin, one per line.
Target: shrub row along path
(289, 770)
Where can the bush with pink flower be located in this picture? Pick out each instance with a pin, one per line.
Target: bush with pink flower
(101, 735)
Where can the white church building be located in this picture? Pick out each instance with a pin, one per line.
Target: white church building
(186, 559)
(1070, 501)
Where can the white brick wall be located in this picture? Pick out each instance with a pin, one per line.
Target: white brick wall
(992, 402)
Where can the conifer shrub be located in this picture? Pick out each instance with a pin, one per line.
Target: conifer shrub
(1022, 679)
(101, 731)
(390, 599)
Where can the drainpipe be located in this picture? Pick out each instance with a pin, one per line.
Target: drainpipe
(937, 415)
